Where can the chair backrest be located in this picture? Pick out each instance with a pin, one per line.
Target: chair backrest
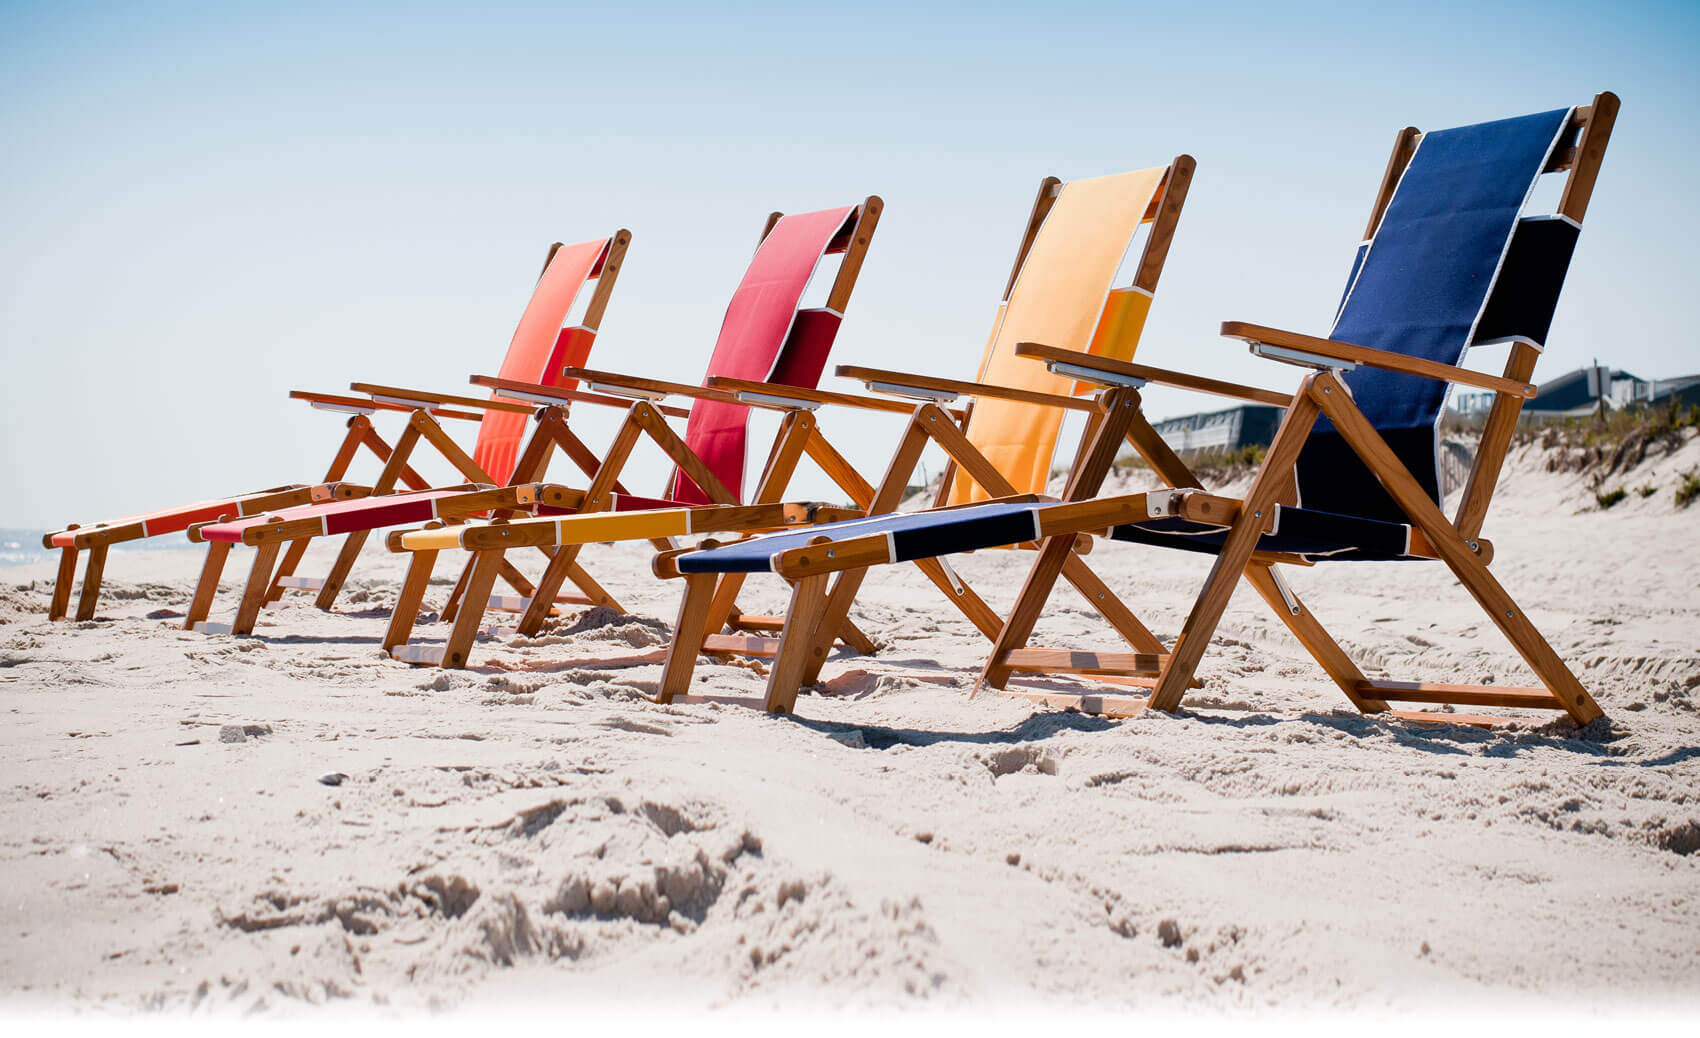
(541, 346)
(1060, 293)
(1450, 261)
(767, 336)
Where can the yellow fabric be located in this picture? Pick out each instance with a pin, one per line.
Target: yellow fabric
(576, 529)
(444, 538)
(624, 526)
(1057, 300)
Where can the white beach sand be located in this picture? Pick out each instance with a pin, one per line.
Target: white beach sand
(531, 831)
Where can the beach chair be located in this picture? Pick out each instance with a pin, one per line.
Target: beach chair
(1450, 261)
(767, 332)
(1003, 442)
(566, 269)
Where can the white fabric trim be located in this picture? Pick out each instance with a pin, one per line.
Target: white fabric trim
(1506, 339)
(343, 408)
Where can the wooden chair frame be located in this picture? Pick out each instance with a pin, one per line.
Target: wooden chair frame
(425, 410)
(799, 435)
(1456, 542)
(269, 578)
(931, 422)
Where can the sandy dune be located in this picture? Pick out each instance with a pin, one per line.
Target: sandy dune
(531, 830)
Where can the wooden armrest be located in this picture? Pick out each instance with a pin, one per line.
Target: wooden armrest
(408, 397)
(874, 378)
(646, 386)
(1161, 376)
(776, 395)
(366, 405)
(557, 394)
(1329, 349)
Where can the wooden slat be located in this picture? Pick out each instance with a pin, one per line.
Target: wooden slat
(373, 389)
(565, 396)
(1073, 661)
(1168, 204)
(814, 396)
(1467, 695)
(1103, 705)
(378, 405)
(646, 385)
(850, 267)
(740, 644)
(1215, 387)
(958, 386)
(1385, 359)
(1591, 150)
(606, 276)
(1404, 146)
(1049, 188)
(1468, 720)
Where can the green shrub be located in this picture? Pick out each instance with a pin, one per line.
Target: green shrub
(1610, 497)
(1688, 489)
(1647, 490)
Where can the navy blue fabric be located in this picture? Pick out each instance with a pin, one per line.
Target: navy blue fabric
(1526, 293)
(915, 535)
(1320, 536)
(1419, 290)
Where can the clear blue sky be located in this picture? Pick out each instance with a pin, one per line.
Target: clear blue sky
(208, 205)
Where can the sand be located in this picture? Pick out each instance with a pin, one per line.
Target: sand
(292, 820)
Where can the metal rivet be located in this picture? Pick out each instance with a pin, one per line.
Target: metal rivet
(829, 553)
(1508, 612)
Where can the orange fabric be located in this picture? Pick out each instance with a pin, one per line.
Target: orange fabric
(530, 354)
(1057, 300)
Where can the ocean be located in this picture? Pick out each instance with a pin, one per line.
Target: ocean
(20, 546)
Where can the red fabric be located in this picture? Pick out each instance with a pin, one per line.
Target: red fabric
(804, 359)
(753, 338)
(170, 520)
(364, 513)
(531, 353)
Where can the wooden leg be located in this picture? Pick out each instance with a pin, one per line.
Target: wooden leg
(452, 607)
(91, 582)
(1310, 633)
(62, 584)
(688, 634)
(516, 580)
(291, 559)
(486, 565)
(1326, 392)
(201, 605)
(259, 582)
(596, 593)
(412, 595)
(835, 609)
(340, 568)
(548, 586)
(1035, 592)
(1098, 448)
(1110, 606)
(797, 643)
(1236, 551)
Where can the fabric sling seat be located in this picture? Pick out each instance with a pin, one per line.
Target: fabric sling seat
(1306, 533)
(767, 336)
(1450, 261)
